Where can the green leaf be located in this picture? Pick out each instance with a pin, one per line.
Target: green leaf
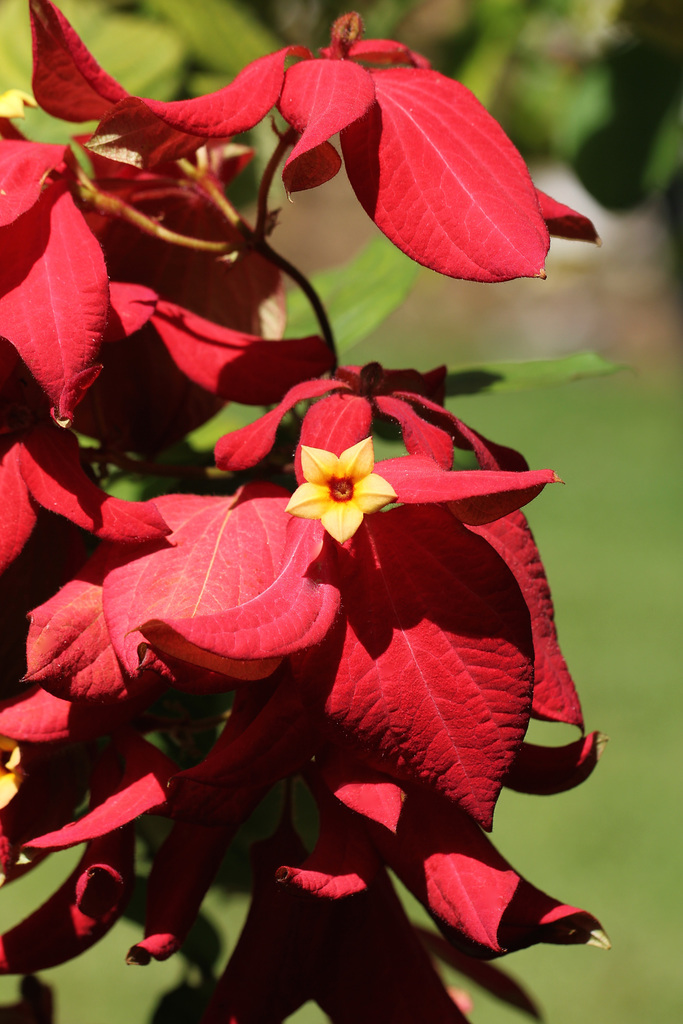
(538, 373)
(222, 35)
(358, 297)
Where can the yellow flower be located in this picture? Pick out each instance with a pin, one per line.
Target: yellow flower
(340, 491)
(11, 776)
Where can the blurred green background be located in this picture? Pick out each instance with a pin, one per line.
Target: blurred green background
(591, 92)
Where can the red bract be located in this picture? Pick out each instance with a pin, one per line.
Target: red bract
(431, 167)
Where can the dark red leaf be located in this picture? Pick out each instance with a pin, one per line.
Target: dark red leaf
(359, 787)
(184, 867)
(555, 697)
(58, 930)
(336, 423)
(53, 473)
(18, 511)
(67, 80)
(131, 306)
(544, 770)
(564, 222)
(142, 789)
(238, 367)
(432, 680)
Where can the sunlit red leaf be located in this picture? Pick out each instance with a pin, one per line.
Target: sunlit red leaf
(54, 296)
(441, 179)
(319, 98)
(23, 167)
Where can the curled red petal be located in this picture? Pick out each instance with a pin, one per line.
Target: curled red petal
(544, 770)
(23, 168)
(474, 496)
(564, 222)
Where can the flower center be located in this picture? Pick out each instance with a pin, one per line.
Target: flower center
(341, 488)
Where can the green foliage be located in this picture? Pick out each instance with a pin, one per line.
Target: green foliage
(358, 297)
(526, 376)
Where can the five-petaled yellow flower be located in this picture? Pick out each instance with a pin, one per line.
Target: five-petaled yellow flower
(340, 491)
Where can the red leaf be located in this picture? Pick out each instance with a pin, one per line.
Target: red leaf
(69, 650)
(238, 367)
(54, 296)
(292, 950)
(336, 423)
(23, 167)
(419, 436)
(564, 222)
(58, 930)
(184, 867)
(142, 789)
(343, 862)
(131, 306)
(433, 681)
(386, 52)
(314, 168)
(473, 495)
(319, 98)
(555, 697)
(361, 788)
(38, 717)
(52, 471)
(447, 862)
(441, 179)
(145, 132)
(544, 770)
(18, 512)
(67, 80)
(242, 449)
(292, 612)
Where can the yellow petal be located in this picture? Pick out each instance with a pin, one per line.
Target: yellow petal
(342, 520)
(13, 101)
(318, 465)
(373, 493)
(9, 787)
(310, 501)
(357, 462)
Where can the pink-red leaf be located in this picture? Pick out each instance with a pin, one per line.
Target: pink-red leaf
(319, 98)
(295, 608)
(242, 449)
(441, 179)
